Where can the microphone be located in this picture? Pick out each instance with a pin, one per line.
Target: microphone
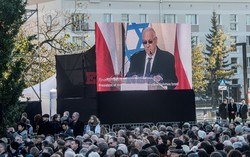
(151, 54)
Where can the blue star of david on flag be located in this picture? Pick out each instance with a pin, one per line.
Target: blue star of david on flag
(134, 38)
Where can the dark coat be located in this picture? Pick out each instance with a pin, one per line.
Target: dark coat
(45, 128)
(243, 111)
(223, 110)
(56, 126)
(77, 127)
(230, 109)
(164, 65)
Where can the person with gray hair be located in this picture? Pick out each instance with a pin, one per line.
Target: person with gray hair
(66, 117)
(111, 152)
(121, 140)
(69, 153)
(103, 147)
(83, 151)
(77, 125)
(243, 110)
(3, 149)
(94, 154)
(153, 62)
(123, 147)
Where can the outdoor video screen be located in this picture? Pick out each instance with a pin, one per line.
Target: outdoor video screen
(143, 56)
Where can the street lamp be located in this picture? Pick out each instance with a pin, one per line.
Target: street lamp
(245, 81)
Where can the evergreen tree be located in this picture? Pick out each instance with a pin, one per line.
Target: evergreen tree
(216, 58)
(11, 64)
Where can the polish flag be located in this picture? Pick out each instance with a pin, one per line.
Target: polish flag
(182, 54)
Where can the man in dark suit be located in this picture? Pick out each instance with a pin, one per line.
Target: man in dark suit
(77, 125)
(232, 109)
(223, 111)
(153, 62)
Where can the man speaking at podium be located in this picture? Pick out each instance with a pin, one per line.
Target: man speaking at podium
(153, 62)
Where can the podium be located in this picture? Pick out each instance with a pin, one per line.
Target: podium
(132, 84)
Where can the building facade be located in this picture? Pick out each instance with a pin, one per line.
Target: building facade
(233, 16)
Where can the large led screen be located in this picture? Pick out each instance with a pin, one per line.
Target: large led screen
(143, 56)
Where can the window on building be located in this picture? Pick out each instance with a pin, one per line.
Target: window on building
(218, 19)
(233, 22)
(233, 26)
(79, 22)
(143, 18)
(248, 40)
(233, 39)
(234, 68)
(234, 60)
(234, 81)
(248, 19)
(248, 83)
(125, 18)
(192, 19)
(49, 22)
(169, 18)
(107, 17)
(194, 40)
(233, 18)
(248, 62)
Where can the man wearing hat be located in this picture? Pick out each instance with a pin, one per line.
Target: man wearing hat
(45, 127)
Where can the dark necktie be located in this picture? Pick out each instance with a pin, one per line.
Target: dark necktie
(147, 73)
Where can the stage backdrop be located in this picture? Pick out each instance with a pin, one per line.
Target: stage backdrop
(118, 44)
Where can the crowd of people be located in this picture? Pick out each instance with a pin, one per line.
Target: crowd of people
(68, 136)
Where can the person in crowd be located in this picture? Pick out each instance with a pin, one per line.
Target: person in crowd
(26, 149)
(21, 130)
(75, 146)
(14, 149)
(37, 121)
(232, 109)
(223, 111)
(93, 125)
(3, 149)
(112, 142)
(243, 110)
(153, 62)
(56, 124)
(66, 130)
(29, 127)
(45, 126)
(77, 125)
(24, 117)
(66, 117)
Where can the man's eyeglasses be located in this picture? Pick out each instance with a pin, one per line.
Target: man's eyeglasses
(147, 41)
